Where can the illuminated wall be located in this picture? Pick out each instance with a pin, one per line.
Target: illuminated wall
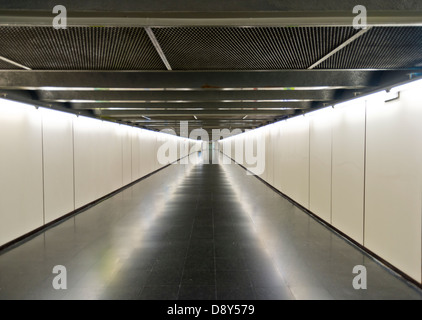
(357, 166)
(54, 162)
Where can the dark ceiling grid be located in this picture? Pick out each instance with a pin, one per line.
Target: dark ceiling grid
(255, 48)
(80, 48)
(380, 48)
(8, 66)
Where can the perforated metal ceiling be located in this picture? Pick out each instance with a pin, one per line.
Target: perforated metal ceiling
(209, 48)
(7, 66)
(380, 48)
(80, 48)
(228, 48)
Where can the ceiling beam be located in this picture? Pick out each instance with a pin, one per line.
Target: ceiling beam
(121, 80)
(178, 113)
(215, 124)
(179, 123)
(222, 6)
(200, 120)
(148, 13)
(195, 105)
(204, 95)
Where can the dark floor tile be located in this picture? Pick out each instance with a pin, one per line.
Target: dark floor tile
(169, 263)
(227, 249)
(237, 278)
(266, 279)
(137, 262)
(235, 293)
(258, 264)
(159, 293)
(198, 277)
(200, 262)
(273, 293)
(178, 233)
(206, 221)
(229, 264)
(165, 276)
(197, 292)
(83, 294)
(121, 293)
(311, 293)
(122, 278)
(201, 251)
(178, 252)
(202, 232)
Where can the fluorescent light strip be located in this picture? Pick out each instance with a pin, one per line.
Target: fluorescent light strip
(257, 109)
(173, 101)
(149, 109)
(53, 88)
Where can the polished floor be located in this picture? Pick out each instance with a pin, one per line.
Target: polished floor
(194, 231)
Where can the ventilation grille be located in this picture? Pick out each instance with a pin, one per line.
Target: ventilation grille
(380, 48)
(80, 48)
(257, 48)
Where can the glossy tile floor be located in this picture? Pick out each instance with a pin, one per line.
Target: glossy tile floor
(194, 232)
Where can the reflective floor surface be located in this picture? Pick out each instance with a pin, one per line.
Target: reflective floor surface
(196, 231)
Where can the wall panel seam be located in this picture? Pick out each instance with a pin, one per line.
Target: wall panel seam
(42, 169)
(364, 174)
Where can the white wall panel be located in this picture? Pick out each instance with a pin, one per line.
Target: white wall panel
(98, 159)
(295, 162)
(393, 181)
(159, 143)
(320, 163)
(272, 151)
(136, 153)
(154, 156)
(235, 156)
(88, 156)
(126, 132)
(269, 152)
(152, 139)
(348, 168)
(258, 158)
(278, 154)
(111, 164)
(58, 163)
(143, 155)
(21, 193)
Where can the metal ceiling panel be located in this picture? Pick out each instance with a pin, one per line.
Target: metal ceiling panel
(380, 48)
(7, 66)
(80, 48)
(248, 48)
